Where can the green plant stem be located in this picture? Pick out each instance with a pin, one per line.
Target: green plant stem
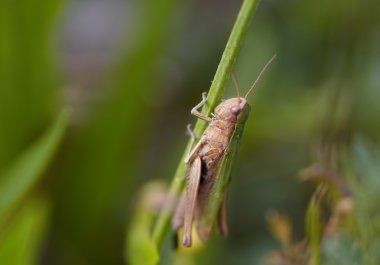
(214, 96)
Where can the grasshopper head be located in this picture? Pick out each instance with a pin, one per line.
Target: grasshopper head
(237, 109)
(230, 109)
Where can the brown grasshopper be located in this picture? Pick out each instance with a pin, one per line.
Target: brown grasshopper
(211, 157)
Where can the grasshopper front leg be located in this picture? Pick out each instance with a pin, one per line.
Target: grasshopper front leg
(199, 115)
(195, 111)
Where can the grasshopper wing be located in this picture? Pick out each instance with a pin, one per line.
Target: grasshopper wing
(191, 192)
(214, 203)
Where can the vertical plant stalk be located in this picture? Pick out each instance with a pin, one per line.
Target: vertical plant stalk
(214, 96)
(314, 224)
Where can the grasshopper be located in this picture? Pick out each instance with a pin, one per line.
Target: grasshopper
(208, 166)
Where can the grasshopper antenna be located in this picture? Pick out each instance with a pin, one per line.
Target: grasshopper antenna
(233, 74)
(260, 75)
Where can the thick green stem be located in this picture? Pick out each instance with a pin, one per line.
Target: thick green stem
(215, 94)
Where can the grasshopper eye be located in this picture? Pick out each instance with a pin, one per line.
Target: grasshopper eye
(236, 110)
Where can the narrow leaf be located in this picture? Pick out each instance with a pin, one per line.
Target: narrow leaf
(140, 247)
(21, 243)
(314, 225)
(21, 176)
(218, 85)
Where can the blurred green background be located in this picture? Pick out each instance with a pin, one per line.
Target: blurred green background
(129, 72)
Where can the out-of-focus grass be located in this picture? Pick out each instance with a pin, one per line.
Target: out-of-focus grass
(28, 85)
(17, 180)
(140, 246)
(104, 154)
(23, 240)
(28, 104)
(346, 229)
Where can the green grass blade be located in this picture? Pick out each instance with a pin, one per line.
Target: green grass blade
(227, 61)
(314, 225)
(28, 80)
(100, 173)
(22, 241)
(140, 246)
(216, 91)
(21, 176)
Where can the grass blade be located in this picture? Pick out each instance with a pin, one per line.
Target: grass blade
(216, 91)
(21, 243)
(140, 246)
(21, 176)
(314, 224)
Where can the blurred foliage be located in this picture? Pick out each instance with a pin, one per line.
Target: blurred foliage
(140, 245)
(17, 180)
(132, 70)
(349, 231)
(21, 242)
(28, 91)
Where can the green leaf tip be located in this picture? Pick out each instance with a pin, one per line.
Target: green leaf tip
(24, 172)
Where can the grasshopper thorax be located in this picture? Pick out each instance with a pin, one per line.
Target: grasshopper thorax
(230, 109)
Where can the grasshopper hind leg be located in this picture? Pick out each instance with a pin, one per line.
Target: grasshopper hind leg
(178, 217)
(191, 192)
(187, 205)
